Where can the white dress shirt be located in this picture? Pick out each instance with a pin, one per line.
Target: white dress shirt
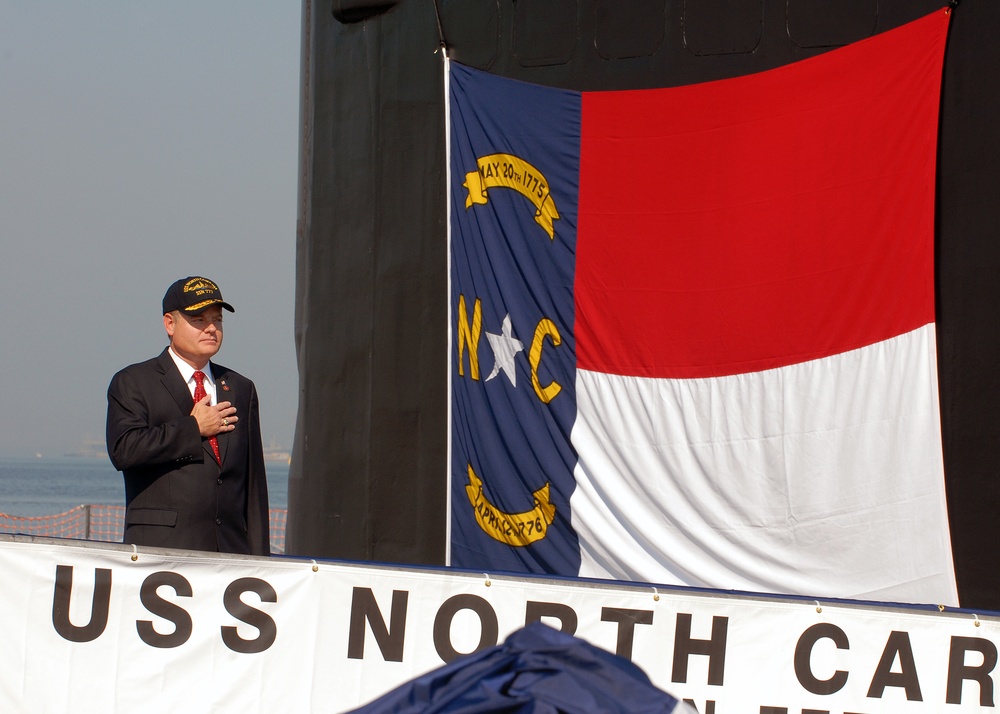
(187, 374)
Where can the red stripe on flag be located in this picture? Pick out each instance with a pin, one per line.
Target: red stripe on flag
(762, 221)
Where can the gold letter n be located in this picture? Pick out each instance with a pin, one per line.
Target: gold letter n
(469, 335)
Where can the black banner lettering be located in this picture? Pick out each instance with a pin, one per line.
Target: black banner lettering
(959, 671)
(490, 628)
(99, 607)
(152, 601)
(803, 653)
(535, 610)
(714, 649)
(897, 644)
(627, 620)
(253, 617)
(389, 639)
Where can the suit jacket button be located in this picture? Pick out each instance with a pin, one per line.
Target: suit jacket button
(218, 521)
(219, 481)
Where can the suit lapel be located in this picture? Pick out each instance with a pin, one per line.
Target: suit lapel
(223, 393)
(179, 391)
(174, 383)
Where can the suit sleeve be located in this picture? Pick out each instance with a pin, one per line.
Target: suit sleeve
(134, 439)
(258, 514)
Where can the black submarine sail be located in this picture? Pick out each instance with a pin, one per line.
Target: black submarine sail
(370, 458)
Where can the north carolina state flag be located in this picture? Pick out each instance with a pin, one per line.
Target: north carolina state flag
(693, 334)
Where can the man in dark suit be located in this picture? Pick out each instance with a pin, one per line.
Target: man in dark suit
(193, 467)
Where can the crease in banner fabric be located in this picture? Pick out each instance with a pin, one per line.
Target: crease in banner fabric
(693, 329)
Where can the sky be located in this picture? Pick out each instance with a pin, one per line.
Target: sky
(140, 143)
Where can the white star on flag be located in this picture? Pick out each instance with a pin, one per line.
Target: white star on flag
(505, 348)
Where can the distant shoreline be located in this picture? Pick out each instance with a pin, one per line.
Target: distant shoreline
(94, 449)
(32, 486)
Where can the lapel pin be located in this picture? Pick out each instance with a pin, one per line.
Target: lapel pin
(225, 387)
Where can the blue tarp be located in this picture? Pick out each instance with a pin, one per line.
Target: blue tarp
(537, 670)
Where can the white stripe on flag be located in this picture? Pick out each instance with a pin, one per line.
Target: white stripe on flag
(824, 477)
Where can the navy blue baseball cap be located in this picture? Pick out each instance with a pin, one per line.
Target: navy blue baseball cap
(193, 295)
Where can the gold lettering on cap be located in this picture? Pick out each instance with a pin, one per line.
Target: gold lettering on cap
(200, 286)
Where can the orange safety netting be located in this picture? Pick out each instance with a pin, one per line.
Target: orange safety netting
(106, 523)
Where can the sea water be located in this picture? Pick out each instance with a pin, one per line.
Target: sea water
(48, 486)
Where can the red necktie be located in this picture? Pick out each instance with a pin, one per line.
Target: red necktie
(199, 394)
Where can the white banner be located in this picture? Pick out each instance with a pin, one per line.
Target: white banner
(98, 628)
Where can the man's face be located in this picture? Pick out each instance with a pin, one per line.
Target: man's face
(195, 338)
